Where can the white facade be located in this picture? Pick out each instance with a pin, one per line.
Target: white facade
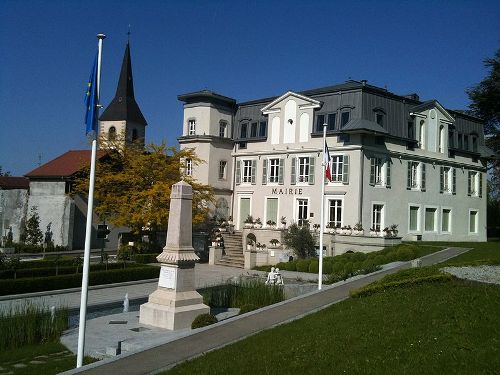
(390, 156)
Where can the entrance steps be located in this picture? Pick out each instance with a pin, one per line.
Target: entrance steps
(233, 247)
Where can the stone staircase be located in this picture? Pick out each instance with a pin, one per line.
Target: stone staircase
(233, 257)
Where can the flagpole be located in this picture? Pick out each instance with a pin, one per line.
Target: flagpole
(88, 230)
(322, 213)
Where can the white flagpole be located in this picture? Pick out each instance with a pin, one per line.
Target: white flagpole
(88, 230)
(322, 213)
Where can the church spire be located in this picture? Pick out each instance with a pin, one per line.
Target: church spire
(124, 107)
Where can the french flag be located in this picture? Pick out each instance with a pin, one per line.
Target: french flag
(326, 161)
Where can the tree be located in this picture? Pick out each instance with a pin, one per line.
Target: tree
(133, 185)
(485, 104)
(2, 173)
(32, 232)
(300, 240)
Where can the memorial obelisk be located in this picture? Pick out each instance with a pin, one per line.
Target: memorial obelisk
(175, 303)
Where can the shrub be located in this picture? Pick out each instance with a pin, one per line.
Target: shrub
(327, 268)
(314, 266)
(125, 252)
(300, 240)
(404, 254)
(203, 320)
(247, 308)
(303, 265)
(290, 266)
(145, 258)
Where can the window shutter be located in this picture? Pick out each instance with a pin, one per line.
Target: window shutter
(238, 172)
(254, 170)
(480, 192)
(388, 173)
(408, 179)
(264, 172)
(469, 183)
(423, 177)
(441, 179)
(345, 171)
(311, 170)
(281, 171)
(454, 181)
(292, 175)
(372, 171)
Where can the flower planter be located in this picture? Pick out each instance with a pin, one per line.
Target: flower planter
(247, 225)
(257, 226)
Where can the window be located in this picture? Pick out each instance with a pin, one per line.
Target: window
(380, 172)
(243, 130)
(447, 178)
(302, 211)
(379, 118)
(475, 184)
(245, 171)
(411, 130)
(377, 211)
(473, 221)
(222, 169)
(466, 142)
(253, 130)
(416, 176)
(474, 143)
(242, 145)
(272, 209)
(191, 127)
(222, 129)
(331, 119)
(335, 213)
(303, 169)
(414, 218)
(446, 220)
(320, 120)
(263, 129)
(344, 118)
(451, 139)
(134, 135)
(421, 136)
(189, 167)
(430, 219)
(340, 168)
(460, 141)
(112, 133)
(441, 139)
(274, 169)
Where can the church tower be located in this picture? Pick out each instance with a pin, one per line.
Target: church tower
(122, 121)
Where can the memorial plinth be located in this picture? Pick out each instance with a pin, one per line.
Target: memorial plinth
(175, 303)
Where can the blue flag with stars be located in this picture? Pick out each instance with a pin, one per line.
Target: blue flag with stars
(91, 101)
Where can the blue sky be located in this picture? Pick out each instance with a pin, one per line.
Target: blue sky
(242, 49)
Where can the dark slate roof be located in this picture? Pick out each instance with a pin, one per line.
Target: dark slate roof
(11, 183)
(124, 106)
(487, 152)
(206, 94)
(65, 165)
(362, 124)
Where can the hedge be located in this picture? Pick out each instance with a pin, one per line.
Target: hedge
(39, 284)
(145, 258)
(61, 270)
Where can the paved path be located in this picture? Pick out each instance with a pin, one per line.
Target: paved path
(138, 291)
(216, 336)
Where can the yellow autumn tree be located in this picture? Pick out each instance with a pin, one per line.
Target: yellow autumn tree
(133, 184)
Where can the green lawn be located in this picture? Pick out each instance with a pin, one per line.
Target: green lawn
(439, 327)
(47, 358)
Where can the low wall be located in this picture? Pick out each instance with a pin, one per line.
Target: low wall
(364, 244)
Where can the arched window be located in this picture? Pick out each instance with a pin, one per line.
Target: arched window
(134, 135)
(421, 135)
(112, 133)
(379, 116)
(222, 129)
(441, 139)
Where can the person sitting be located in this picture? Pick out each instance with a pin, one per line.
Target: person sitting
(271, 277)
(278, 277)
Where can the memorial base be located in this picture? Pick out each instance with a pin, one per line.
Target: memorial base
(172, 310)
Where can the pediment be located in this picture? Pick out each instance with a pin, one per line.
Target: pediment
(278, 103)
(426, 107)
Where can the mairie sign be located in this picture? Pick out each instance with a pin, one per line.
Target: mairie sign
(286, 191)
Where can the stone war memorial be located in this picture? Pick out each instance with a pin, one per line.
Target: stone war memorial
(175, 303)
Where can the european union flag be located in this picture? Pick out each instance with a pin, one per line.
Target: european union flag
(91, 101)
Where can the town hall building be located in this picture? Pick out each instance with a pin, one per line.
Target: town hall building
(394, 159)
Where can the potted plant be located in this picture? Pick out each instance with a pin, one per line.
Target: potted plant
(258, 223)
(248, 222)
(271, 224)
(283, 222)
(274, 243)
(394, 230)
(373, 231)
(358, 229)
(250, 244)
(223, 226)
(387, 232)
(316, 227)
(338, 229)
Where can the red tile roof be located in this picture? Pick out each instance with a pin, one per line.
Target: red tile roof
(65, 165)
(10, 183)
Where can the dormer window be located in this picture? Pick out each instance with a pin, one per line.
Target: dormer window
(253, 130)
(192, 127)
(134, 135)
(263, 129)
(379, 118)
(222, 129)
(451, 139)
(320, 120)
(466, 142)
(474, 142)
(421, 138)
(112, 133)
(344, 118)
(441, 139)
(243, 130)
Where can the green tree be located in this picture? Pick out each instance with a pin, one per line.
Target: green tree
(133, 185)
(485, 104)
(300, 240)
(32, 231)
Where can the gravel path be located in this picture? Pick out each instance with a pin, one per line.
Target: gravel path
(484, 274)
